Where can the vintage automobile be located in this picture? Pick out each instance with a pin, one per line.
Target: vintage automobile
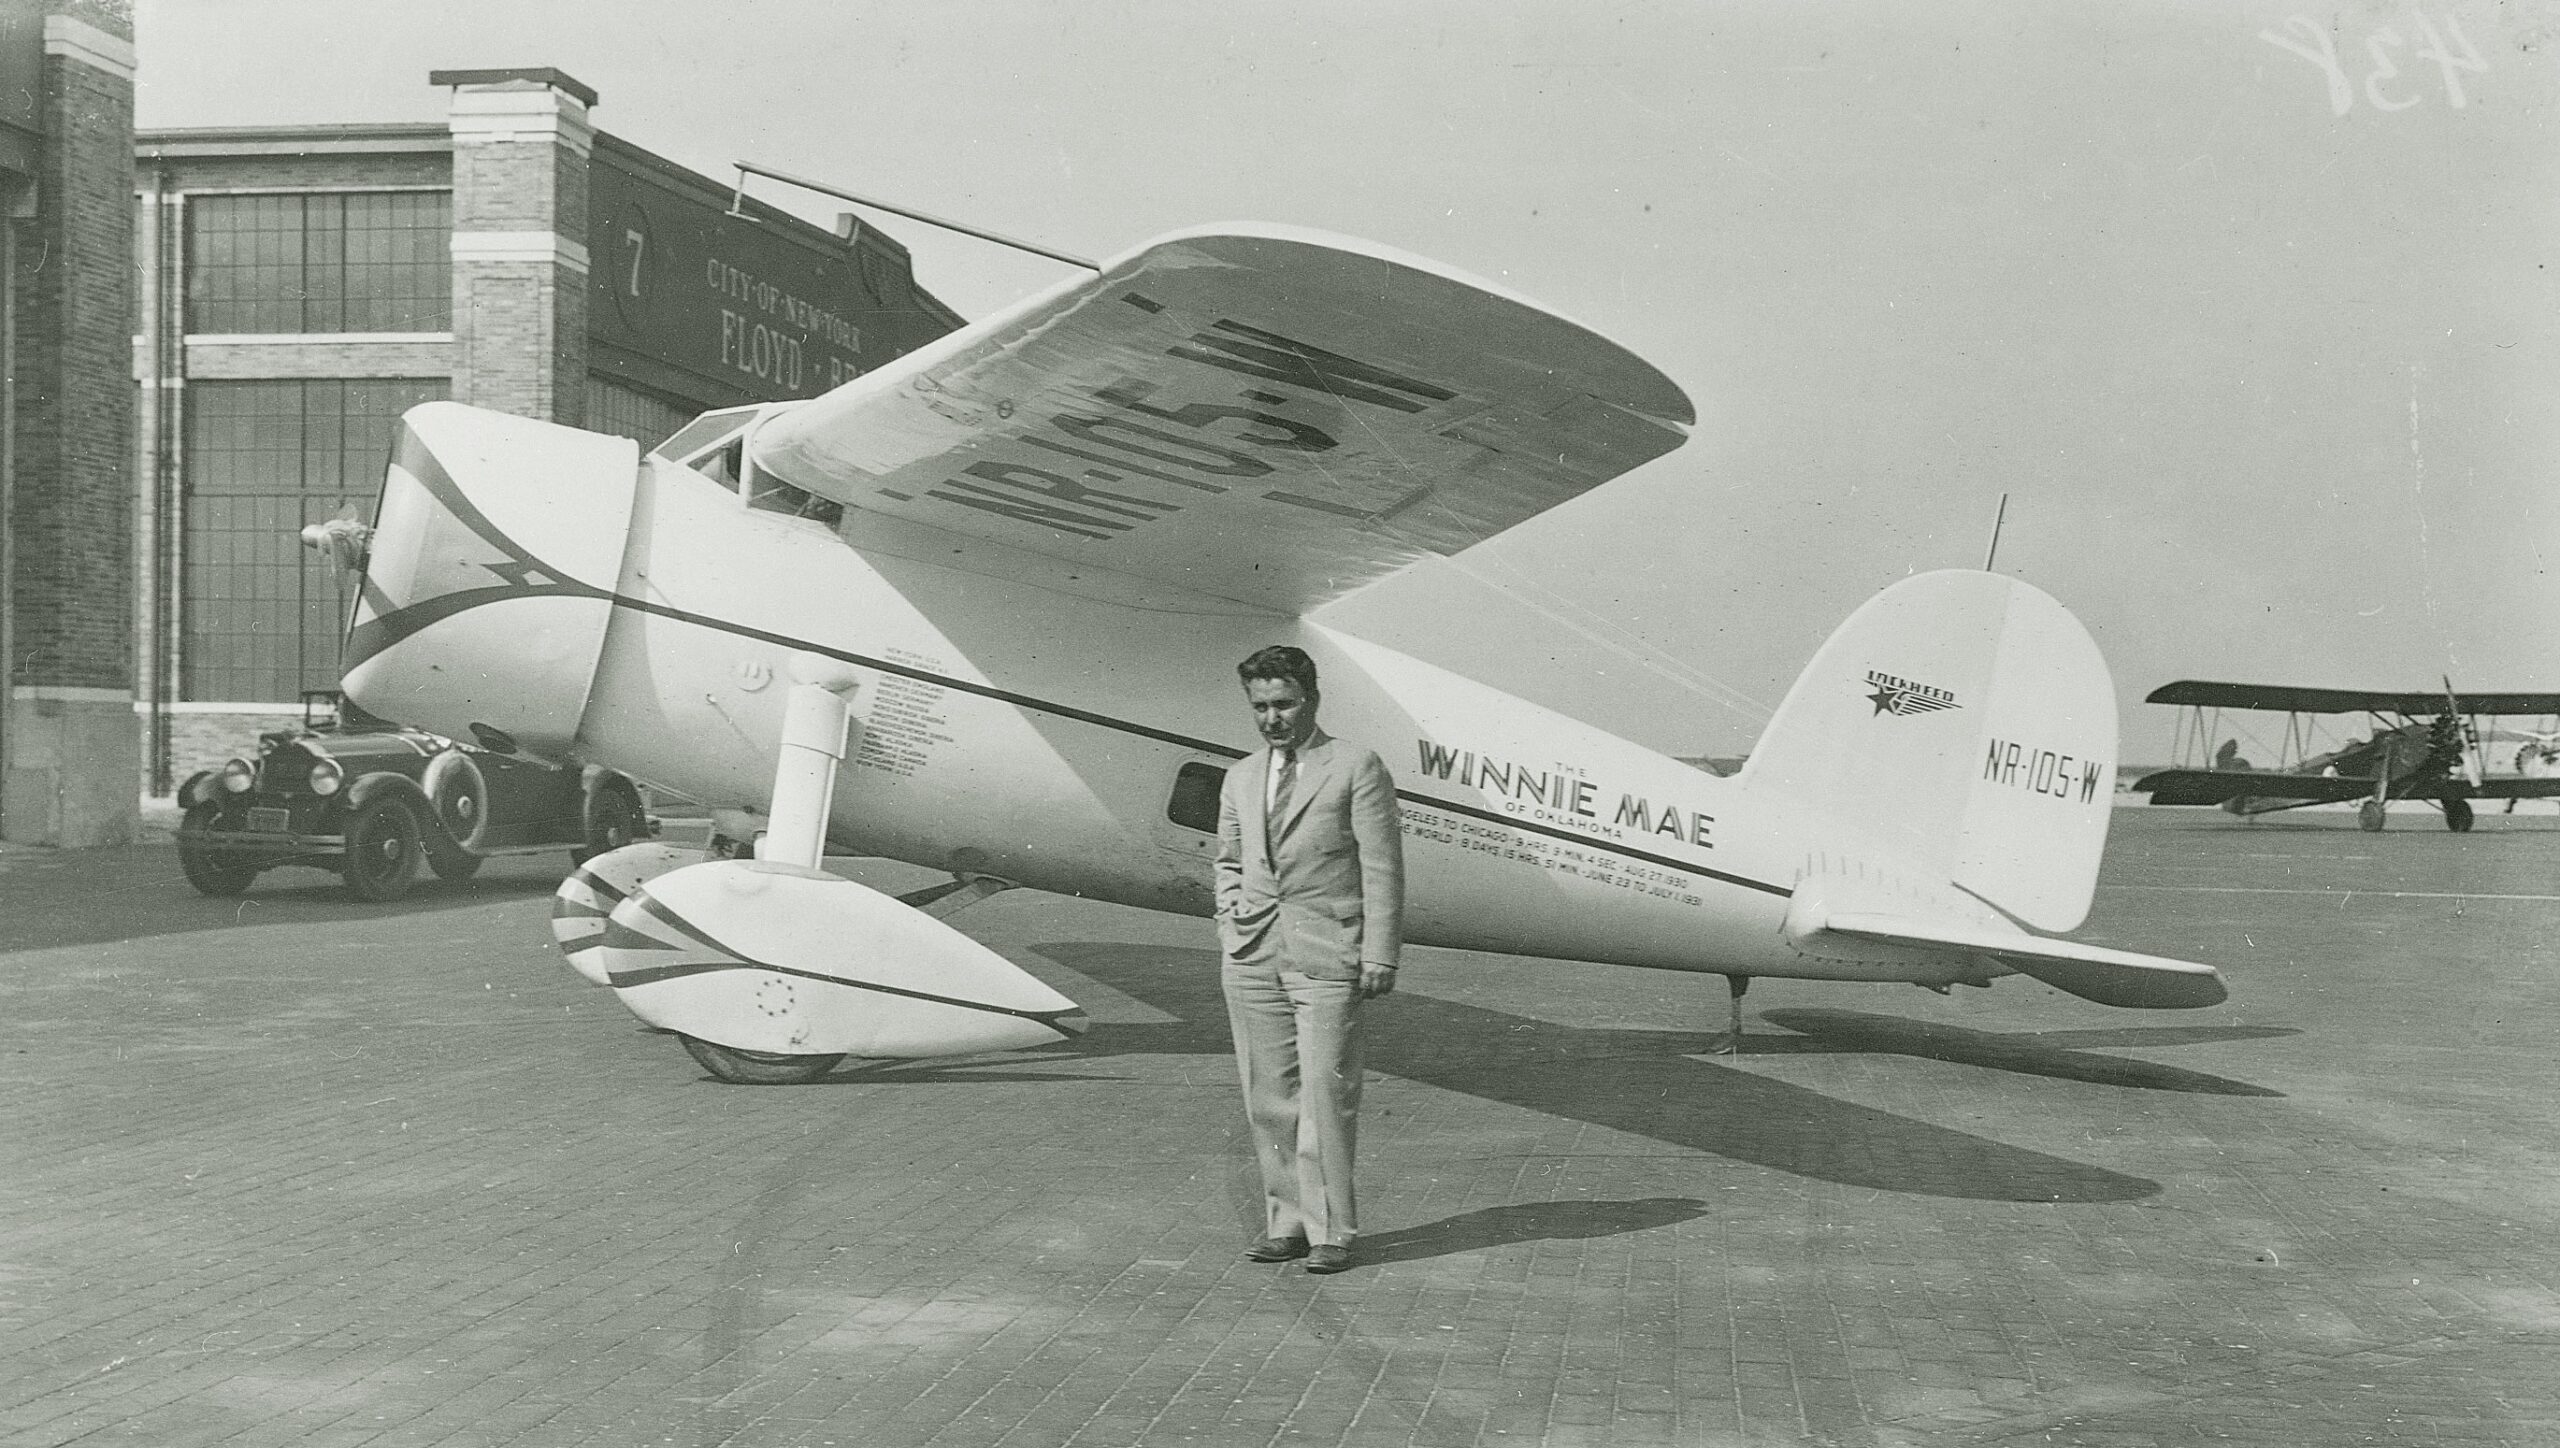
(374, 800)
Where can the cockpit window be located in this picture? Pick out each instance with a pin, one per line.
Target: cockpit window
(715, 445)
(704, 433)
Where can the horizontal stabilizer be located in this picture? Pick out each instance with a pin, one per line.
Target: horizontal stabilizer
(2092, 972)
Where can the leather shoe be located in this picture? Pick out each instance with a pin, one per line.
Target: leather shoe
(1328, 1259)
(1276, 1249)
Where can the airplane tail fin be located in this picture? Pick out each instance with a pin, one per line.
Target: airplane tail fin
(1968, 718)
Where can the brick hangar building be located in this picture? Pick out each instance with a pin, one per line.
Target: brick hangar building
(282, 295)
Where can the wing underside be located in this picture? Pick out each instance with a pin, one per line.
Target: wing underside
(1262, 415)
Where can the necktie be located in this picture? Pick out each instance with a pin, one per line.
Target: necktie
(1284, 777)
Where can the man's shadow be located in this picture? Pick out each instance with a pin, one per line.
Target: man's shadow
(1526, 1222)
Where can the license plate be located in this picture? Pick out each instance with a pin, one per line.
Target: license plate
(271, 821)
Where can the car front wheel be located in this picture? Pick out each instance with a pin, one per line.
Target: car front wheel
(384, 844)
(211, 869)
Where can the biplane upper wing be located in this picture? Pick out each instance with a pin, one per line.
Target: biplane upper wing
(1259, 414)
(2288, 698)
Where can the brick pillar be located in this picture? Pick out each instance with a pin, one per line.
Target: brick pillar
(521, 141)
(69, 742)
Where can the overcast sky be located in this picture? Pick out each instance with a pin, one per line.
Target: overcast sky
(2266, 361)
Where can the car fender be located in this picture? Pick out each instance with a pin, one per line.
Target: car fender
(196, 790)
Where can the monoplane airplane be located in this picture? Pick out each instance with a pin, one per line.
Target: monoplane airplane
(979, 610)
(2425, 746)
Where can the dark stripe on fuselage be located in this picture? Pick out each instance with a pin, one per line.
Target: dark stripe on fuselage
(397, 625)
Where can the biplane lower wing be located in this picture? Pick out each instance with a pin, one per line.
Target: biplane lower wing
(2219, 786)
(2292, 791)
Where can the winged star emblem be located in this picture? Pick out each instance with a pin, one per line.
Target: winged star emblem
(1904, 697)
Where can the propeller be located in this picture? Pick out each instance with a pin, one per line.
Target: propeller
(2471, 766)
(344, 539)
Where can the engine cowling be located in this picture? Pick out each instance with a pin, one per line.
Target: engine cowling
(762, 956)
(490, 577)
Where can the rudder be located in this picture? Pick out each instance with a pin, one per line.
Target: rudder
(1968, 718)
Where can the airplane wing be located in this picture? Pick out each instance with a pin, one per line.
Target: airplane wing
(2287, 698)
(2516, 786)
(2092, 972)
(1260, 414)
(2213, 786)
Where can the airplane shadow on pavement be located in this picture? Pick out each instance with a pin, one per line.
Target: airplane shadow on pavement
(1643, 1082)
(2031, 1053)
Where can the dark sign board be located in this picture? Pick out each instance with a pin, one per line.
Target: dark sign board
(715, 309)
(21, 84)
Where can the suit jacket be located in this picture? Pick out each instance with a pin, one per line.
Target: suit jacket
(1327, 890)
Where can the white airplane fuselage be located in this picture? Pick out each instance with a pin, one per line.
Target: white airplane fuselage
(1938, 779)
(1029, 720)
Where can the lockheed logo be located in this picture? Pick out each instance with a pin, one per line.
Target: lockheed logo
(1905, 697)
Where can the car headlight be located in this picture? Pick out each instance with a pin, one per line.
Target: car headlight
(239, 776)
(326, 777)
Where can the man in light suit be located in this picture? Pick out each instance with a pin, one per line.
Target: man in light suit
(1310, 922)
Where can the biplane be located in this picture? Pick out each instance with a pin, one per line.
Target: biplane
(2423, 745)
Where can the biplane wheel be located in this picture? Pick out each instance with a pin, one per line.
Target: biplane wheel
(2369, 816)
(2457, 815)
(757, 1068)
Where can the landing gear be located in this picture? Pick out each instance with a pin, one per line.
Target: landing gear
(1731, 1045)
(2369, 816)
(757, 1068)
(2457, 815)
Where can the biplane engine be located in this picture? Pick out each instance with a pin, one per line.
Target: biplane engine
(490, 577)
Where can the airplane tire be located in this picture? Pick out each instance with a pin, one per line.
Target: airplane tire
(757, 1068)
(2369, 816)
(2457, 815)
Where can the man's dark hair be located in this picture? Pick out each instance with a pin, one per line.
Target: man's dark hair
(1280, 661)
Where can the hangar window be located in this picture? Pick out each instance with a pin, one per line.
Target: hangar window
(354, 261)
(260, 614)
(1194, 805)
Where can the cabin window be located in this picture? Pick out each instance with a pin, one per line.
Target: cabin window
(772, 495)
(1194, 805)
